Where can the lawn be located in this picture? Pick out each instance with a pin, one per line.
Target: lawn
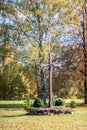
(14, 117)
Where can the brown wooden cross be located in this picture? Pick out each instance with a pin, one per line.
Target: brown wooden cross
(50, 65)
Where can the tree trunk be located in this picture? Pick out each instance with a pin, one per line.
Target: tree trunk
(43, 87)
(85, 86)
(85, 50)
(37, 80)
(41, 57)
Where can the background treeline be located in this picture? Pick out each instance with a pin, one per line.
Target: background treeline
(18, 81)
(29, 29)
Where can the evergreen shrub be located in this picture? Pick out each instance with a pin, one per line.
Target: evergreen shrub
(73, 104)
(59, 102)
(38, 103)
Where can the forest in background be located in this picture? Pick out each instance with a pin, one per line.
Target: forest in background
(29, 29)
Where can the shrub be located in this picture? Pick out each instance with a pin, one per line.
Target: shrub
(59, 102)
(54, 98)
(27, 104)
(72, 104)
(38, 103)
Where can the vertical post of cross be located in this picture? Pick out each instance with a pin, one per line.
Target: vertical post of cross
(50, 79)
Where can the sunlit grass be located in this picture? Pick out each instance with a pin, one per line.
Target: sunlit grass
(18, 119)
(11, 102)
(76, 100)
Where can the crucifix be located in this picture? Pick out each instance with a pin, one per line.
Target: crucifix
(50, 65)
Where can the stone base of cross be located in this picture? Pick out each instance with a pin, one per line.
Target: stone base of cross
(50, 65)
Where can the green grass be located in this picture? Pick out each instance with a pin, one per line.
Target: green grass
(11, 104)
(14, 117)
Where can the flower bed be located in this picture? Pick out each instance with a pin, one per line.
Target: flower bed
(50, 111)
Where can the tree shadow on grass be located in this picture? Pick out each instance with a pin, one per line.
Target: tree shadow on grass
(20, 115)
(11, 116)
(11, 106)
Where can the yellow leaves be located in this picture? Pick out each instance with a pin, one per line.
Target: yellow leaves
(39, 12)
(60, 4)
(7, 8)
(37, 1)
(52, 2)
(28, 83)
(41, 25)
(79, 2)
(7, 60)
(46, 50)
(68, 11)
(37, 54)
(56, 3)
(54, 33)
(34, 52)
(27, 28)
(27, 11)
(25, 80)
(71, 14)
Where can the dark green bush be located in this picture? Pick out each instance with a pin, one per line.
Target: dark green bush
(59, 102)
(38, 103)
(73, 104)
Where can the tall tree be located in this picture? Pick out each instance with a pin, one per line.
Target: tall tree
(85, 48)
(35, 25)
